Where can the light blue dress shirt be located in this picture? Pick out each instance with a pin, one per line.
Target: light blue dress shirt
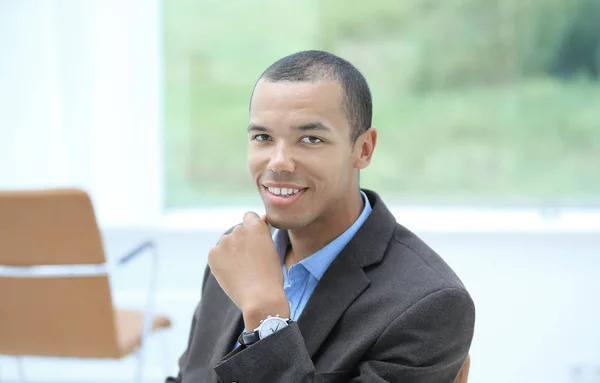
(302, 278)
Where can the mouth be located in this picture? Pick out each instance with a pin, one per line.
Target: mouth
(283, 196)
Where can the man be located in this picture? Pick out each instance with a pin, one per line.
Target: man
(339, 292)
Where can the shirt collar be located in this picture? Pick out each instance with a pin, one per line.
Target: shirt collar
(317, 263)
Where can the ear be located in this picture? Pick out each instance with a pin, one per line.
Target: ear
(364, 148)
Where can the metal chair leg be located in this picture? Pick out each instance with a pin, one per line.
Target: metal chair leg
(139, 371)
(165, 353)
(21, 369)
(148, 316)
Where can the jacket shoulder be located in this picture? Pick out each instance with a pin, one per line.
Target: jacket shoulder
(410, 255)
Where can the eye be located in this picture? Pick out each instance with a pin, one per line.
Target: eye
(311, 140)
(261, 137)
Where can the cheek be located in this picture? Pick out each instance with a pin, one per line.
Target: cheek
(333, 168)
(254, 162)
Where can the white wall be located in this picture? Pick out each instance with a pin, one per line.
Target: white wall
(80, 101)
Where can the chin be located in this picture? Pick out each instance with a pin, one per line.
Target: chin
(285, 221)
(282, 224)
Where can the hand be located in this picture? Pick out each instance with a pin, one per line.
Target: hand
(248, 268)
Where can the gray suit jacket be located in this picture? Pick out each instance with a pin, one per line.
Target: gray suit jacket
(387, 309)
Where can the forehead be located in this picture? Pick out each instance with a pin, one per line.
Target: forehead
(287, 101)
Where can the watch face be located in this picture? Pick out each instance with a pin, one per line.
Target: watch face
(271, 325)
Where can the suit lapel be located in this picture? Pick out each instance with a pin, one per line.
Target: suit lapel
(334, 293)
(345, 279)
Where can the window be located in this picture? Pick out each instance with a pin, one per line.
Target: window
(481, 101)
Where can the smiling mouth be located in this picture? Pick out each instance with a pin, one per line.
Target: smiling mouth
(283, 192)
(283, 196)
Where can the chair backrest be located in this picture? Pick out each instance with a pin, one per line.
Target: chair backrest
(463, 374)
(45, 310)
(48, 227)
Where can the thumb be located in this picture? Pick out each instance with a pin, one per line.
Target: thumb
(251, 218)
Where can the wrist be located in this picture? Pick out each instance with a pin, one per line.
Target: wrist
(256, 311)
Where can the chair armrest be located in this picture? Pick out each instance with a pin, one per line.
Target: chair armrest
(134, 253)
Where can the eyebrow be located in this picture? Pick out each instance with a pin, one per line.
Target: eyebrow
(313, 126)
(256, 128)
(303, 128)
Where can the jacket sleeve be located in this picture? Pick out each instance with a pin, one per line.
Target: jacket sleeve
(183, 357)
(427, 343)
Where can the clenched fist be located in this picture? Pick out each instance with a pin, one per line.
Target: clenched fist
(248, 268)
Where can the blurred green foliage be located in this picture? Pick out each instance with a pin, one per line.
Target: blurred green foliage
(476, 101)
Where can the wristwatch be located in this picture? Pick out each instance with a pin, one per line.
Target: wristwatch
(268, 326)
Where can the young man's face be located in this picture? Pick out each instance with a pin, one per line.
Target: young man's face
(300, 152)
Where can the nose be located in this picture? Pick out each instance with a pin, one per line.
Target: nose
(281, 159)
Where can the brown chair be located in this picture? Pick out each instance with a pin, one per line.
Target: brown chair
(55, 297)
(463, 374)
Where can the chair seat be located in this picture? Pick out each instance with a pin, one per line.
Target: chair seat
(130, 324)
(463, 374)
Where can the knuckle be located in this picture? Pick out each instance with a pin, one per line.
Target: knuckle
(222, 240)
(251, 218)
(211, 256)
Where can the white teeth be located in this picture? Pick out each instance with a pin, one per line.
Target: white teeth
(283, 191)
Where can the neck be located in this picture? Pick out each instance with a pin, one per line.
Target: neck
(308, 240)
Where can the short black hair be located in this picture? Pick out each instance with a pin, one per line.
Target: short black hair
(315, 65)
